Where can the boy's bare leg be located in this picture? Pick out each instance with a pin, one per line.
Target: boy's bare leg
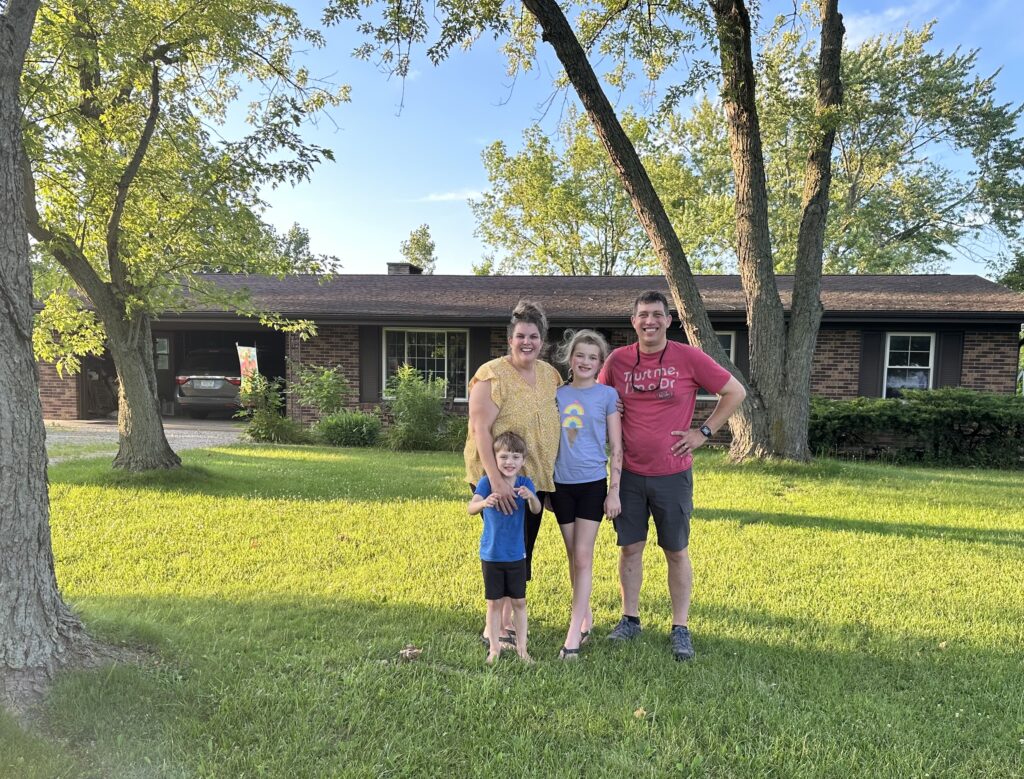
(507, 623)
(494, 608)
(519, 619)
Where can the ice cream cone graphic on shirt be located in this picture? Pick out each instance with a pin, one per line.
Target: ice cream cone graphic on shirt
(572, 421)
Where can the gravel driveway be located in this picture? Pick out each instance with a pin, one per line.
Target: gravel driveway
(181, 433)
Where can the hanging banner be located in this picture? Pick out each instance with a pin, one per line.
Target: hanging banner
(247, 364)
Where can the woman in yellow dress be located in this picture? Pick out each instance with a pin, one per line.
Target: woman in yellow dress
(516, 392)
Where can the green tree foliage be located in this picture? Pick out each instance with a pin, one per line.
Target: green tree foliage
(558, 205)
(142, 177)
(129, 106)
(1013, 274)
(927, 164)
(294, 246)
(418, 249)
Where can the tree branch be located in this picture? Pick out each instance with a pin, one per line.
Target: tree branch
(118, 272)
(642, 195)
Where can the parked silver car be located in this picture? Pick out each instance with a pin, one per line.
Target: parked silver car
(209, 380)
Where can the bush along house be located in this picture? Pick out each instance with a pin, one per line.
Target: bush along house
(879, 334)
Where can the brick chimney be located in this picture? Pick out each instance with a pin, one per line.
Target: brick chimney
(404, 269)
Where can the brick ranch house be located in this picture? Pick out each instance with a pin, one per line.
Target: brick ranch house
(878, 333)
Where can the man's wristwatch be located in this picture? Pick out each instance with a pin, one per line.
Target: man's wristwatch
(706, 431)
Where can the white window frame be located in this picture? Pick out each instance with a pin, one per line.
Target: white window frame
(886, 366)
(445, 330)
(732, 356)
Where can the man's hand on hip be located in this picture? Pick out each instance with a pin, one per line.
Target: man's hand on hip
(689, 442)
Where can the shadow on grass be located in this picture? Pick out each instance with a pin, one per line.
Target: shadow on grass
(312, 474)
(831, 467)
(304, 688)
(974, 535)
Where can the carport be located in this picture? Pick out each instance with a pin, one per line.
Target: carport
(172, 341)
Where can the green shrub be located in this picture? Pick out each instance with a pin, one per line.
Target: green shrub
(321, 388)
(262, 403)
(349, 428)
(418, 411)
(946, 427)
(455, 431)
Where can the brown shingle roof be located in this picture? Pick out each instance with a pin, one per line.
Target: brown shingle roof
(596, 299)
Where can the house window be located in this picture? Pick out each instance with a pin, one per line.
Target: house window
(727, 339)
(909, 358)
(162, 353)
(436, 354)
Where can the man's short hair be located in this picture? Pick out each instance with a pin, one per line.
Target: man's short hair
(650, 296)
(510, 442)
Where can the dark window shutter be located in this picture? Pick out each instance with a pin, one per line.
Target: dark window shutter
(741, 359)
(479, 348)
(949, 353)
(872, 344)
(369, 363)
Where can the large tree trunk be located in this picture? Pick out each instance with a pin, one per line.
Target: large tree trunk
(780, 357)
(806, 309)
(765, 314)
(749, 425)
(142, 445)
(38, 633)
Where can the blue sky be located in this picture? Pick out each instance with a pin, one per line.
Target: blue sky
(395, 170)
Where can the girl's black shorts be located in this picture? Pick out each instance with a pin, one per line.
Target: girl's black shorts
(579, 501)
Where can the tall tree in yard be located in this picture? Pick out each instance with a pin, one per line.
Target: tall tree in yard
(773, 419)
(418, 249)
(38, 633)
(559, 207)
(133, 188)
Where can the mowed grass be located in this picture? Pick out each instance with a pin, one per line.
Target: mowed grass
(60, 452)
(849, 620)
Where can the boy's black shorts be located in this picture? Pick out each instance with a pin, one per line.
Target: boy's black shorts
(579, 501)
(504, 580)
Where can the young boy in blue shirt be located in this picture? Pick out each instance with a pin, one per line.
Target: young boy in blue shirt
(503, 543)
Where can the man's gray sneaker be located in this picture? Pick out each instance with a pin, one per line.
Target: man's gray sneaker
(625, 630)
(682, 646)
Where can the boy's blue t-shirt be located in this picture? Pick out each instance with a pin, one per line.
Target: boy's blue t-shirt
(504, 537)
(584, 417)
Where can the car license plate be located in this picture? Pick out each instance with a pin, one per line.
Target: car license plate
(207, 384)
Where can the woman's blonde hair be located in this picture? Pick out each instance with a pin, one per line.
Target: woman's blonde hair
(572, 339)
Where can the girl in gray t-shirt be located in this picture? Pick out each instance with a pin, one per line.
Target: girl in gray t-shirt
(590, 428)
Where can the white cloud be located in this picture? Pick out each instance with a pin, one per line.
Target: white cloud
(449, 197)
(860, 27)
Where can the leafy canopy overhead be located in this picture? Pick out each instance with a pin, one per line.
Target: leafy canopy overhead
(152, 129)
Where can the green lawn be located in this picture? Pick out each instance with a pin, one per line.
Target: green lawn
(849, 620)
(60, 452)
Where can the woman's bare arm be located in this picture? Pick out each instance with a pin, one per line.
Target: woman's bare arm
(482, 414)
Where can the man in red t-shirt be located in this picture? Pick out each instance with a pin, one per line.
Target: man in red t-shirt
(658, 380)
